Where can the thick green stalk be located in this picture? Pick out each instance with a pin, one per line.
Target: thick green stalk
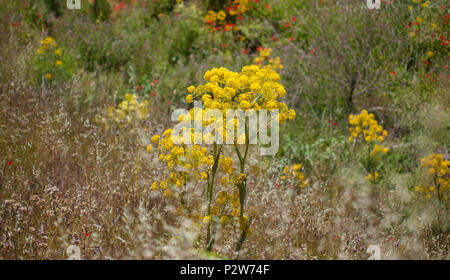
(209, 194)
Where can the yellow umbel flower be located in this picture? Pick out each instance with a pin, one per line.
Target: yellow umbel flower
(437, 170)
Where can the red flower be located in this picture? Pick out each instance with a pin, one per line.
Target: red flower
(287, 25)
(258, 48)
(393, 72)
(273, 39)
(117, 8)
(155, 81)
(175, 15)
(168, 102)
(139, 87)
(334, 123)
(244, 51)
(239, 17)
(87, 234)
(268, 7)
(293, 18)
(291, 39)
(426, 62)
(311, 51)
(122, 5)
(277, 186)
(9, 162)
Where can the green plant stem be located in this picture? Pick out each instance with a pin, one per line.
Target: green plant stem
(242, 189)
(209, 193)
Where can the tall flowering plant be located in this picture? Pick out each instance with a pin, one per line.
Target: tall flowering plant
(195, 157)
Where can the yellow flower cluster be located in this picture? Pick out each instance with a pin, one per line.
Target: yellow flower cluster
(47, 44)
(378, 149)
(292, 174)
(239, 7)
(188, 162)
(253, 88)
(365, 124)
(129, 110)
(438, 168)
(213, 16)
(373, 176)
(264, 54)
(49, 47)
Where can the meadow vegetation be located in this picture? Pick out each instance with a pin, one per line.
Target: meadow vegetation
(86, 158)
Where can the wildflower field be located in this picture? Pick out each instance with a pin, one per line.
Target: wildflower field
(114, 142)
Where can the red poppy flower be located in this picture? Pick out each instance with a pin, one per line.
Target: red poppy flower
(87, 234)
(393, 72)
(244, 51)
(293, 18)
(9, 162)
